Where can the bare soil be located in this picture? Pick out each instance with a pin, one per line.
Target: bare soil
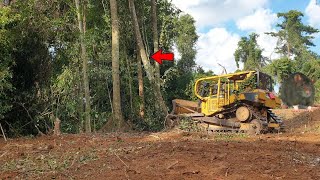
(170, 155)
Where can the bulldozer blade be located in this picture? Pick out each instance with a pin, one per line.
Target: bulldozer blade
(218, 122)
(181, 106)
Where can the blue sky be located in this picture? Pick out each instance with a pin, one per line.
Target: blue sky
(221, 23)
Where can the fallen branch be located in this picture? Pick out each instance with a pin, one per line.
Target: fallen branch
(17, 134)
(32, 120)
(226, 174)
(191, 172)
(4, 154)
(154, 136)
(74, 160)
(39, 132)
(4, 135)
(126, 166)
(121, 160)
(173, 164)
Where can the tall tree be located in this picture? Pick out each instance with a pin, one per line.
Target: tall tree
(146, 63)
(185, 40)
(178, 78)
(6, 18)
(84, 57)
(141, 89)
(42, 71)
(293, 36)
(249, 53)
(155, 39)
(117, 113)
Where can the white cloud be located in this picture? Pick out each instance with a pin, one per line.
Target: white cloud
(313, 13)
(217, 46)
(214, 12)
(177, 54)
(185, 4)
(260, 21)
(268, 44)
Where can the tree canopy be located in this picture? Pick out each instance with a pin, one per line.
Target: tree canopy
(49, 48)
(293, 36)
(294, 42)
(249, 53)
(83, 62)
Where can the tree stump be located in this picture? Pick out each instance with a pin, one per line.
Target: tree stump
(56, 130)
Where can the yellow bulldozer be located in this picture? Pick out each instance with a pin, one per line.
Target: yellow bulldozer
(237, 102)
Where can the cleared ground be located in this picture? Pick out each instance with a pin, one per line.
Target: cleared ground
(170, 155)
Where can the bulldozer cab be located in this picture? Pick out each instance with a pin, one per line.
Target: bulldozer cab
(217, 92)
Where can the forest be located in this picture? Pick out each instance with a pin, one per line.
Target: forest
(87, 63)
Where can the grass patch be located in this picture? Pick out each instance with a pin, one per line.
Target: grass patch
(187, 124)
(229, 136)
(48, 162)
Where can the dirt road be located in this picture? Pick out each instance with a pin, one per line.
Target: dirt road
(169, 155)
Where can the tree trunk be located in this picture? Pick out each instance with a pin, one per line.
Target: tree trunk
(80, 99)
(288, 49)
(148, 67)
(141, 90)
(155, 49)
(288, 45)
(142, 51)
(117, 113)
(57, 131)
(130, 83)
(155, 38)
(84, 68)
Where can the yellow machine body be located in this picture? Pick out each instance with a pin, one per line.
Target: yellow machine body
(240, 102)
(224, 90)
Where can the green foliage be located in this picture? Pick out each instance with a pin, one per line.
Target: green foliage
(5, 87)
(168, 19)
(7, 21)
(177, 79)
(180, 85)
(249, 53)
(293, 37)
(199, 73)
(248, 85)
(229, 137)
(185, 41)
(280, 68)
(66, 102)
(311, 69)
(40, 68)
(317, 90)
(189, 125)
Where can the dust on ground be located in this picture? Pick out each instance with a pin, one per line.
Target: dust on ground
(170, 155)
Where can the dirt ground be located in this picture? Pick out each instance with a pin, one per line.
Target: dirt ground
(170, 155)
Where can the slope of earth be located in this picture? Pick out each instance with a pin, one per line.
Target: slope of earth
(166, 155)
(301, 121)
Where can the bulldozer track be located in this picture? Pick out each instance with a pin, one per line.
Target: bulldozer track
(214, 124)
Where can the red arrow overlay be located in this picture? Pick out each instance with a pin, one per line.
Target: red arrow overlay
(159, 56)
